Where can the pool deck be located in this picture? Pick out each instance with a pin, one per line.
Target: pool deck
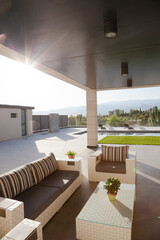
(138, 130)
(129, 131)
(17, 152)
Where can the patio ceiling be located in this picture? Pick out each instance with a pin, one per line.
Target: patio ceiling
(68, 37)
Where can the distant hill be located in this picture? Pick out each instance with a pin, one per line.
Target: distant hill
(127, 105)
(64, 111)
(105, 107)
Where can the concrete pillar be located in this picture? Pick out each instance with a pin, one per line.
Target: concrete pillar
(92, 135)
(29, 126)
(53, 122)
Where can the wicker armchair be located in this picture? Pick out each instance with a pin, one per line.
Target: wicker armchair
(112, 161)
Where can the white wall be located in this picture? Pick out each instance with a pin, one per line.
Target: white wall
(10, 128)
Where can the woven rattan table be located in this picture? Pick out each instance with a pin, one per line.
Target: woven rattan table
(102, 219)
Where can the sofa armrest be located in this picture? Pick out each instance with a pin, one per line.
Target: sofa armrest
(93, 160)
(26, 229)
(131, 160)
(11, 213)
(70, 164)
(131, 166)
(97, 156)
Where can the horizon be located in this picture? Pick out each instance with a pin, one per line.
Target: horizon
(102, 103)
(105, 108)
(26, 86)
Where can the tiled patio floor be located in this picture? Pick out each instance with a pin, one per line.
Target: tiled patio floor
(146, 225)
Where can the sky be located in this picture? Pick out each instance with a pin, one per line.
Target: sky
(23, 85)
(129, 94)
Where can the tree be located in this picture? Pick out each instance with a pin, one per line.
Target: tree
(153, 118)
(81, 120)
(158, 117)
(102, 119)
(72, 120)
(113, 121)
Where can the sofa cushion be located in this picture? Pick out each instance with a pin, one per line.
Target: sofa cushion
(114, 153)
(11, 184)
(111, 167)
(43, 168)
(37, 199)
(60, 179)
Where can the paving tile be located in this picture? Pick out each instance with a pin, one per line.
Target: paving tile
(146, 227)
(154, 200)
(154, 227)
(140, 230)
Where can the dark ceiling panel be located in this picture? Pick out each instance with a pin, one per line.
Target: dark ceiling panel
(67, 36)
(143, 68)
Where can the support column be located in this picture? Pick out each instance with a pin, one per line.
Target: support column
(92, 134)
(29, 127)
(53, 122)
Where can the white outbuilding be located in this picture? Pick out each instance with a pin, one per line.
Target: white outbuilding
(15, 121)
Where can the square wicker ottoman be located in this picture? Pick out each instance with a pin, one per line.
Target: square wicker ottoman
(103, 219)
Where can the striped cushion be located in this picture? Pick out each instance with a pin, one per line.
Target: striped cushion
(43, 168)
(114, 154)
(16, 182)
(5, 188)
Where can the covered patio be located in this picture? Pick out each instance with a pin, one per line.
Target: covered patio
(98, 45)
(94, 45)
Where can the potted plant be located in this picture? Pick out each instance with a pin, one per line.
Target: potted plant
(112, 185)
(71, 154)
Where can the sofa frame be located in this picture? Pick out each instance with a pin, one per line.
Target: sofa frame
(70, 165)
(11, 216)
(128, 177)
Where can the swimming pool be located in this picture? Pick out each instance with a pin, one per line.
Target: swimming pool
(128, 134)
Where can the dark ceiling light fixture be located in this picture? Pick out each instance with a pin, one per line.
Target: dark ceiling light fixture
(124, 69)
(110, 28)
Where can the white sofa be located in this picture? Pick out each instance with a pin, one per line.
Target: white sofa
(37, 201)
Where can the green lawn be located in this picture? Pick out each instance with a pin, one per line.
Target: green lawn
(135, 140)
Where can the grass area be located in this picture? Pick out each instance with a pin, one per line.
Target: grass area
(133, 140)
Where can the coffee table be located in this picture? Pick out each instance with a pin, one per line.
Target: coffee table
(102, 219)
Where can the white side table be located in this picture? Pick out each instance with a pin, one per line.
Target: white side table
(70, 164)
(11, 213)
(26, 229)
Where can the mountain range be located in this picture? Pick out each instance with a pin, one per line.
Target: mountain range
(105, 107)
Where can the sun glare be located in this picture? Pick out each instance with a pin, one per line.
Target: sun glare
(23, 85)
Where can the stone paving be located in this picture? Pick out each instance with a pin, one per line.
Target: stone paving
(17, 152)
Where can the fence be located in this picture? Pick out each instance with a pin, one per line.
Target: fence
(41, 122)
(63, 121)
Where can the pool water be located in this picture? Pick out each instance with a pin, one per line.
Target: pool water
(129, 134)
